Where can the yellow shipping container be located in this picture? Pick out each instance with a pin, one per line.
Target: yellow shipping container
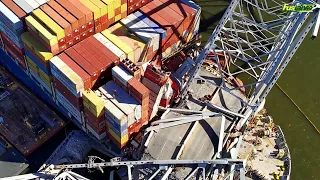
(93, 102)
(123, 8)
(117, 18)
(102, 6)
(121, 140)
(36, 69)
(189, 37)
(121, 45)
(44, 34)
(41, 51)
(117, 4)
(51, 24)
(93, 8)
(111, 11)
(138, 45)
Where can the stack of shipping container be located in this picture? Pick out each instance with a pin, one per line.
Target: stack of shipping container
(84, 54)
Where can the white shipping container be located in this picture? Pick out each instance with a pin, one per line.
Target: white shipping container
(65, 103)
(112, 111)
(95, 134)
(156, 103)
(143, 30)
(116, 125)
(10, 17)
(150, 85)
(39, 80)
(131, 22)
(41, 2)
(24, 6)
(34, 4)
(66, 76)
(122, 100)
(152, 24)
(113, 48)
(121, 75)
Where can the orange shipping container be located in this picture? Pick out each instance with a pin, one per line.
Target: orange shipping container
(64, 13)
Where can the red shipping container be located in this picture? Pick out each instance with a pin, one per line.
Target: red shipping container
(83, 36)
(183, 10)
(105, 25)
(138, 89)
(76, 13)
(97, 54)
(130, 9)
(97, 25)
(124, 14)
(69, 43)
(7, 41)
(14, 51)
(1, 42)
(163, 12)
(155, 76)
(132, 128)
(75, 101)
(97, 123)
(69, 17)
(90, 58)
(59, 20)
(117, 11)
(159, 19)
(132, 68)
(103, 49)
(86, 11)
(111, 21)
(145, 116)
(76, 39)
(90, 32)
(84, 64)
(104, 19)
(77, 69)
(98, 28)
(144, 2)
(131, 2)
(18, 58)
(178, 18)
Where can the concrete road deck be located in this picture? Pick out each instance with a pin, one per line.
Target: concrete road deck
(203, 143)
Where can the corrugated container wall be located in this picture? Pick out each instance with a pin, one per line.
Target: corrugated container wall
(83, 54)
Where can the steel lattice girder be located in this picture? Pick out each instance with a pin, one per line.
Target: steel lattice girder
(259, 39)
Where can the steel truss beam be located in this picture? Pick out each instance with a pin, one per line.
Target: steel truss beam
(260, 40)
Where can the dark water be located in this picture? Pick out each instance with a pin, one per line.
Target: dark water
(300, 82)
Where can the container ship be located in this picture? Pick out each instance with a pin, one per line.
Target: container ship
(99, 62)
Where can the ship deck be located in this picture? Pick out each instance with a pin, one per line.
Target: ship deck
(25, 121)
(11, 161)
